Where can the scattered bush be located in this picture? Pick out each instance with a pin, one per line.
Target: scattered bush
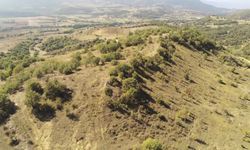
(151, 144)
(130, 97)
(190, 37)
(109, 46)
(44, 112)
(165, 54)
(55, 89)
(68, 67)
(92, 60)
(111, 56)
(134, 40)
(114, 82)
(129, 83)
(7, 107)
(32, 99)
(123, 71)
(56, 43)
(35, 87)
(16, 60)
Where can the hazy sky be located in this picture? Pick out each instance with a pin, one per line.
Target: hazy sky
(243, 4)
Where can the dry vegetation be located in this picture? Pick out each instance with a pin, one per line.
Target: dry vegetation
(148, 88)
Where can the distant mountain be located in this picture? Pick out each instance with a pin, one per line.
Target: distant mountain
(51, 7)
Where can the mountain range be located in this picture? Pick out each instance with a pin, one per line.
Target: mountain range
(52, 7)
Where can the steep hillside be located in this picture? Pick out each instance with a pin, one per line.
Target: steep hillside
(128, 86)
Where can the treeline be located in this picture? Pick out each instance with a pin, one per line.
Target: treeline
(57, 43)
(16, 59)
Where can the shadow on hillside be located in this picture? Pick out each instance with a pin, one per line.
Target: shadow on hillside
(143, 99)
(7, 109)
(44, 112)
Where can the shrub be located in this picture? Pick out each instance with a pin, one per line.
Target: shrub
(55, 89)
(18, 69)
(16, 60)
(134, 40)
(130, 97)
(130, 83)
(109, 46)
(35, 87)
(6, 107)
(3, 76)
(44, 112)
(123, 71)
(76, 61)
(151, 144)
(190, 37)
(114, 82)
(92, 60)
(167, 50)
(137, 62)
(32, 98)
(109, 91)
(111, 56)
(66, 69)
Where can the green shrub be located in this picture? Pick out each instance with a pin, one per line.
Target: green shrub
(18, 69)
(16, 60)
(165, 53)
(130, 96)
(66, 68)
(35, 87)
(92, 60)
(14, 84)
(32, 98)
(191, 37)
(123, 71)
(55, 89)
(56, 43)
(111, 56)
(76, 60)
(151, 144)
(134, 40)
(130, 83)
(3, 76)
(109, 46)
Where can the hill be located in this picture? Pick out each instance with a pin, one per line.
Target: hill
(240, 15)
(124, 88)
(66, 7)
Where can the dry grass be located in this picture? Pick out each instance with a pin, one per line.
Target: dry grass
(202, 114)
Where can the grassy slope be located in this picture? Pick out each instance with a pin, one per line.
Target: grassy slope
(202, 110)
